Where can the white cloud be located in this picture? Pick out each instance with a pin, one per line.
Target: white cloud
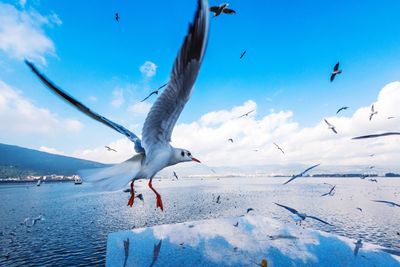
(207, 139)
(148, 69)
(118, 98)
(19, 115)
(21, 33)
(141, 108)
(93, 98)
(51, 150)
(22, 3)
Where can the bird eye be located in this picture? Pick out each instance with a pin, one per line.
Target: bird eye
(182, 153)
(189, 154)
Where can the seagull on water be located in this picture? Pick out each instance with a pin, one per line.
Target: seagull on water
(330, 193)
(301, 174)
(340, 109)
(243, 53)
(390, 203)
(155, 92)
(299, 217)
(335, 71)
(330, 126)
(154, 151)
(373, 112)
(376, 135)
(278, 147)
(110, 149)
(246, 114)
(223, 8)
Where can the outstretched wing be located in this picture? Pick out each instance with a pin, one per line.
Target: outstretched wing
(229, 11)
(214, 9)
(376, 135)
(318, 219)
(312, 167)
(288, 208)
(336, 68)
(81, 107)
(328, 123)
(163, 115)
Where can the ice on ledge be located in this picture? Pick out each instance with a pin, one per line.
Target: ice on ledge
(254, 241)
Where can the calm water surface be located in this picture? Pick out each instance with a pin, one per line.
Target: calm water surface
(78, 220)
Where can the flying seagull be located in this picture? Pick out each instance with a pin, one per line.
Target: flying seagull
(236, 224)
(335, 71)
(373, 180)
(246, 114)
(154, 150)
(330, 126)
(301, 216)
(301, 174)
(278, 147)
(110, 149)
(223, 8)
(340, 109)
(330, 193)
(359, 245)
(390, 203)
(243, 53)
(230, 140)
(218, 201)
(155, 92)
(360, 209)
(176, 176)
(117, 16)
(249, 209)
(373, 112)
(391, 117)
(376, 135)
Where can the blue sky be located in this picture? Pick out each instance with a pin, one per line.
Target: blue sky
(291, 49)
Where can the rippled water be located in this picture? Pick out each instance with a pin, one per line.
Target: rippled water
(77, 220)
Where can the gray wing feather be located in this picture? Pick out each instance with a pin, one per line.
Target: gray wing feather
(288, 208)
(318, 219)
(81, 107)
(163, 115)
(376, 135)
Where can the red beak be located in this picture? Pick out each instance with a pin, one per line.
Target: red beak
(194, 159)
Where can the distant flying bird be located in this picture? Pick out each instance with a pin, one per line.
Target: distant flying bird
(249, 209)
(176, 176)
(223, 8)
(246, 114)
(330, 193)
(236, 224)
(301, 216)
(360, 209)
(391, 117)
(372, 155)
(376, 135)
(340, 109)
(218, 199)
(243, 53)
(110, 149)
(331, 127)
(373, 180)
(359, 245)
(278, 147)
(230, 140)
(373, 112)
(335, 71)
(390, 203)
(154, 151)
(155, 92)
(117, 16)
(301, 174)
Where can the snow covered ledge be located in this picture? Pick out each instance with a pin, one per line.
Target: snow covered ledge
(254, 241)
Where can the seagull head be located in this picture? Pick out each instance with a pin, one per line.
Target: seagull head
(183, 155)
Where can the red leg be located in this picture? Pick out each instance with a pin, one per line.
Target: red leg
(132, 198)
(159, 203)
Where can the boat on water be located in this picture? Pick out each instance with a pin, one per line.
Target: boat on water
(77, 180)
(39, 182)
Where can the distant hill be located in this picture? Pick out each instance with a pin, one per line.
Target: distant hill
(19, 161)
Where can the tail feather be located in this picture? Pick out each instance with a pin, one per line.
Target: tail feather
(115, 177)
